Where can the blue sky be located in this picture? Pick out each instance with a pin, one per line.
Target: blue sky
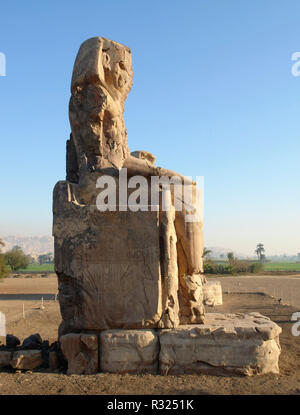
(213, 96)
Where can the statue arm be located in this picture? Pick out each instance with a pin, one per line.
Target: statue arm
(142, 167)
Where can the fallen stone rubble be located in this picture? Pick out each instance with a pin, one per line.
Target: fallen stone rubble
(33, 353)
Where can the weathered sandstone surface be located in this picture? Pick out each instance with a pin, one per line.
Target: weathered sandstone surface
(129, 351)
(212, 293)
(5, 358)
(81, 352)
(122, 268)
(27, 359)
(245, 344)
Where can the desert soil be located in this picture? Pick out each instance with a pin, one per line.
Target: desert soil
(286, 287)
(239, 296)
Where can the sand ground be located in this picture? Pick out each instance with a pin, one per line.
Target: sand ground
(286, 287)
(241, 294)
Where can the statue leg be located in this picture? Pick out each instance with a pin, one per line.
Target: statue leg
(190, 268)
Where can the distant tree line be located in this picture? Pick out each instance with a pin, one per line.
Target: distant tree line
(12, 260)
(233, 265)
(16, 259)
(45, 258)
(3, 267)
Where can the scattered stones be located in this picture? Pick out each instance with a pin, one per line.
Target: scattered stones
(12, 341)
(226, 344)
(81, 352)
(129, 351)
(33, 353)
(5, 358)
(27, 359)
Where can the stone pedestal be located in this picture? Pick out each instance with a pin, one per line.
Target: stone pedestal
(129, 351)
(81, 352)
(226, 344)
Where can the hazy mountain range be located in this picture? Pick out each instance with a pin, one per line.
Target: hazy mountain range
(221, 253)
(33, 245)
(37, 245)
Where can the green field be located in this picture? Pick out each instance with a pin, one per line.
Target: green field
(282, 266)
(268, 266)
(38, 268)
(273, 266)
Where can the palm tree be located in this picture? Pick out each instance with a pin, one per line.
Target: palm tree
(230, 256)
(206, 252)
(260, 252)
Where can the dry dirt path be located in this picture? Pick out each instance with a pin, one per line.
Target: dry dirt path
(283, 286)
(24, 285)
(47, 382)
(21, 303)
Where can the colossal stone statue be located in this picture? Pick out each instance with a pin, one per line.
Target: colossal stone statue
(118, 269)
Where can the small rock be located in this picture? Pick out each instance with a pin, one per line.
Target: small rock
(32, 341)
(27, 359)
(12, 341)
(212, 293)
(53, 360)
(45, 344)
(54, 346)
(5, 358)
